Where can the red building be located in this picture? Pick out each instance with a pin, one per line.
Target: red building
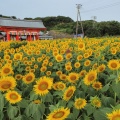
(16, 29)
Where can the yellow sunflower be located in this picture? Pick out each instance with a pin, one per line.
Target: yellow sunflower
(82, 73)
(97, 85)
(115, 115)
(113, 64)
(73, 77)
(43, 68)
(42, 85)
(7, 83)
(69, 93)
(68, 56)
(68, 67)
(59, 58)
(61, 85)
(101, 68)
(6, 70)
(63, 77)
(79, 57)
(59, 114)
(13, 97)
(77, 65)
(87, 63)
(80, 103)
(59, 73)
(81, 46)
(17, 56)
(90, 77)
(18, 76)
(28, 78)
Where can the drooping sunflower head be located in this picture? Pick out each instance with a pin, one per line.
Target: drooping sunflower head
(80, 103)
(69, 93)
(7, 83)
(73, 77)
(59, 114)
(13, 97)
(113, 64)
(6, 70)
(28, 78)
(97, 85)
(59, 58)
(115, 115)
(90, 77)
(43, 85)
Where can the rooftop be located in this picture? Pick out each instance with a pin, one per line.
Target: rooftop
(10, 22)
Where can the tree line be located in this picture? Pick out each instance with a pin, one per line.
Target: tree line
(67, 25)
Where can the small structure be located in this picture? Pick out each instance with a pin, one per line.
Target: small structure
(16, 29)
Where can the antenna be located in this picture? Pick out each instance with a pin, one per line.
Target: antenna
(78, 6)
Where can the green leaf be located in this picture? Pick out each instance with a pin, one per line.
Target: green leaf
(107, 101)
(100, 114)
(1, 115)
(49, 97)
(2, 99)
(105, 88)
(12, 111)
(33, 96)
(23, 104)
(116, 88)
(90, 109)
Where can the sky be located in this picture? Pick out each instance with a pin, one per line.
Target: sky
(103, 10)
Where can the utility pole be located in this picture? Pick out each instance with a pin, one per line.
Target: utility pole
(94, 18)
(79, 16)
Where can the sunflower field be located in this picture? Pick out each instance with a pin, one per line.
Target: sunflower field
(63, 79)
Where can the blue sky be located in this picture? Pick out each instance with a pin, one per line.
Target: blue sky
(104, 10)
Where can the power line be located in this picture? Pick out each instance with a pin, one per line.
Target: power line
(102, 7)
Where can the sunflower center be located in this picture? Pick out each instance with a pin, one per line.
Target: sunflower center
(80, 45)
(18, 57)
(43, 86)
(73, 77)
(6, 85)
(91, 77)
(113, 65)
(13, 96)
(6, 70)
(80, 102)
(101, 68)
(59, 58)
(117, 117)
(29, 78)
(58, 114)
(97, 85)
(69, 94)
